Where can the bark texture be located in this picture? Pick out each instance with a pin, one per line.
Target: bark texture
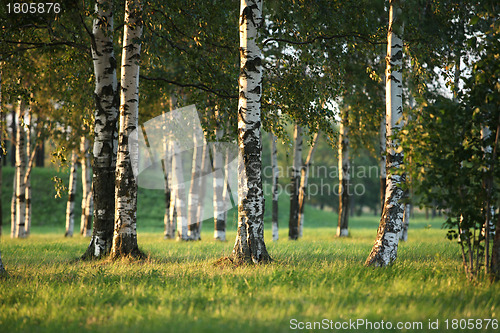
(274, 164)
(179, 188)
(86, 217)
(20, 229)
(70, 205)
(304, 175)
(105, 131)
(125, 233)
(403, 236)
(344, 176)
(383, 161)
(194, 191)
(218, 183)
(384, 251)
(249, 246)
(293, 222)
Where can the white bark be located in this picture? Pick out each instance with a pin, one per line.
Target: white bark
(406, 224)
(344, 175)
(13, 206)
(194, 190)
(293, 223)
(105, 131)
(203, 185)
(85, 219)
(27, 177)
(275, 175)
(249, 245)
(179, 190)
(70, 205)
(304, 175)
(20, 230)
(383, 160)
(218, 183)
(125, 233)
(384, 251)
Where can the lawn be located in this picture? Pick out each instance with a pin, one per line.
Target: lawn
(182, 287)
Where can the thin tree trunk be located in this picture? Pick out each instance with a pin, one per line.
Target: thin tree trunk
(406, 224)
(13, 145)
(194, 189)
(20, 173)
(125, 233)
(105, 131)
(2, 157)
(383, 161)
(86, 218)
(344, 176)
(384, 251)
(179, 187)
(70, 205)
(89, 208)
(293, 222)
(2, 268)
(218, 183)
(249, 245)
(165, 165)
(304, 175)
(274, 164)
(203, 185)
(13, 206)
(495, 253)
(27, 177)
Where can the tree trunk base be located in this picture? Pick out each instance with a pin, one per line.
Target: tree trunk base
(103, 249)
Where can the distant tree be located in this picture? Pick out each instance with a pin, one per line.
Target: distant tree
(344, 174)
(293, 222)
(70, 205)
(275, 186)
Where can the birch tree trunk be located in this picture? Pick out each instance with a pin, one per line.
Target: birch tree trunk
(403, 236)
(203, 186)
(105, 131)
(179, 188)
(383, 159)
(218, 183)
(86, 218)
(2, 268)
(344, 175)
(384, 251)
(27, 177)
(165, 164)
(194, 190)
(293, 222)
(249, 246)
(13, 206)
(125, 233)
(274, 165)
(20, 230)
(70, 205)
(304, 175)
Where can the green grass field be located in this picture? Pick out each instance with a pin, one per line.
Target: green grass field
(182, 288)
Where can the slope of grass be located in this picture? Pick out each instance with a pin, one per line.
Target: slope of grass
(182, 287)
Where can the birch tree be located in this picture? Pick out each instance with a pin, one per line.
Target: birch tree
(382, 162)
(304, 175)
(344, 175)
(218, 182)
(194, 189)
(293, 222)
(274, 165)
(86, 217)
(70, 205)
(105, 131)
(2, 268)
(125, 233)
(179, 189)
(384, 251)
(20, 230)
(249, 246)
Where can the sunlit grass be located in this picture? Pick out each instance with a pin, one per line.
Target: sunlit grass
(180, 288)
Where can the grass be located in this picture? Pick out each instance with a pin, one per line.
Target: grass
(180, 287)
